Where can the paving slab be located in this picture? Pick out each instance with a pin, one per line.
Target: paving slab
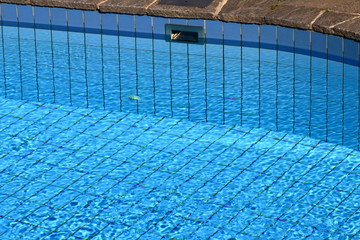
(349, 29)
(199, 10)
(16, 1)
(292, 16)
(126, 6)
(328, 20)
(246, 11)
(78, 4)
(346, 6)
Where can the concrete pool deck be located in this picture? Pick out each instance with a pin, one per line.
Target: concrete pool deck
(336, 17)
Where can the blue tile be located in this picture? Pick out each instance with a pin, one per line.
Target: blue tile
(109, 24)
(127, 25)
(259, 225)
(92, 21)
(9, 17)
(91, 229)
(214, 31)
(58, 18)
(286, 39)
(335, 48)
(268, 36)
(16, 231)
(302, 41)
(318, 45)
(36, 233)
(159, 27)
(250, 35)
(26, 18)
(75, 20)
(143, 26)
(232, 33)
(196, 22)
(351, 52)
(179, 21)
(228, 234)
(22, 210)
(42, 17)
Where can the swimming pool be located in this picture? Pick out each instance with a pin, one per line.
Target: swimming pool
(111, 132)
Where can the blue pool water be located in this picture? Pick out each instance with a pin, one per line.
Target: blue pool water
(123, 135)
(76, 173)
(224, 84)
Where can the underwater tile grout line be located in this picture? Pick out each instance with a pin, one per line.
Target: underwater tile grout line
(206, 78)
(153, 65)
(20, 62)
(102, 64)
(171, 78)
(52, 56)
(343, 94)
(277, 83)
(223, 75)
(68, 58)
(188, 79)
(310, 89)
(136, 66)
(86, 60)
(327, 95)
(120, 58)
(3, 50)
(241, 77)
(259, 76)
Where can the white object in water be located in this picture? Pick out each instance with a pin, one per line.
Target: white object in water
(134, 97)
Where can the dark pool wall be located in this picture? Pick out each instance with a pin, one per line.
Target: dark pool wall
(256, 75)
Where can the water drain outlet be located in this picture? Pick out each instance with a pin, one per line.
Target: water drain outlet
(184, 33)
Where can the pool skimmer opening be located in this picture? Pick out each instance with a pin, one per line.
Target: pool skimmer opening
(184, 33)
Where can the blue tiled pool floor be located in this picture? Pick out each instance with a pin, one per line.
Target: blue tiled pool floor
(74, 173)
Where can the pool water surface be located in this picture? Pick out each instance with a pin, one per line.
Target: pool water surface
(110, 132)
(75, 173)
